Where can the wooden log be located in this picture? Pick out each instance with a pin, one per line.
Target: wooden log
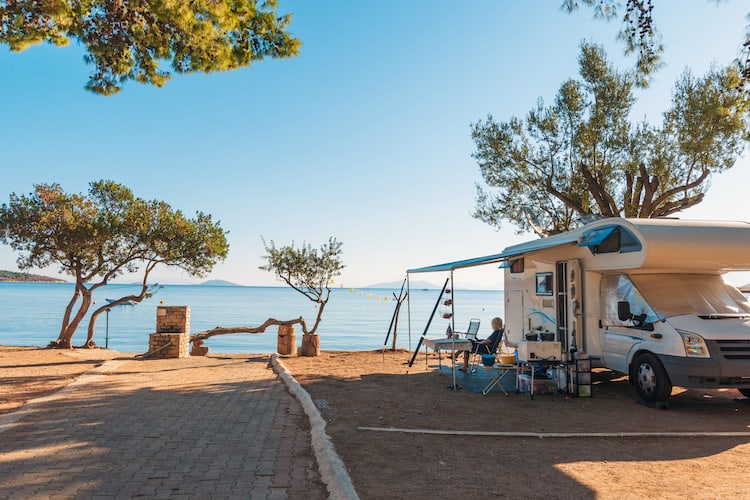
(151, 353)
(219, 330)
(287, 341)
(310, 345)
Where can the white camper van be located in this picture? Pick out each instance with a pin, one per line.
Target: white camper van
(645, 297)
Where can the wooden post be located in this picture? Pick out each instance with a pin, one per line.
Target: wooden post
(310, 345)
(287, 341)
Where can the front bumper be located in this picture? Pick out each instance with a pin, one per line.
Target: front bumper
(728, 366)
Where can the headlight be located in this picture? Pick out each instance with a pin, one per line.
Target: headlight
(695, 346)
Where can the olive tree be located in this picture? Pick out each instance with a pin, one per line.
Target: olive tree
(102, 235)
(306, 269)
(582, 155)
(135, 39)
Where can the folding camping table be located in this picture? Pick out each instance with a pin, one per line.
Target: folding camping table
(497, 372)
(452, 345)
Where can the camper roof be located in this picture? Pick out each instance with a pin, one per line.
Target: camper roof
(695, 245)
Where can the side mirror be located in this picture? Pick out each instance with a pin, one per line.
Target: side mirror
(623, 311)
(625, 314)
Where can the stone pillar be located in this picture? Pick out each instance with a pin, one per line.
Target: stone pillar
(287, 341)
(172, 335)
(310, 345)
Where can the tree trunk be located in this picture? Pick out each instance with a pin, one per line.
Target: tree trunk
(319, 317)
(64, 340)
(310, 345)
(287, 342)
(66, 317)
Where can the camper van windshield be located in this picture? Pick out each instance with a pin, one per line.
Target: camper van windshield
(676, 294)
(616, 288)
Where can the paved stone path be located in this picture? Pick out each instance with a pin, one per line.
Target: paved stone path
(198, 427)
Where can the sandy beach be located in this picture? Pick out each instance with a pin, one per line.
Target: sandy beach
(402, 432)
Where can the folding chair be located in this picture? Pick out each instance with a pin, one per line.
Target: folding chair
(472, 330)
(475, 358)
(470, 333)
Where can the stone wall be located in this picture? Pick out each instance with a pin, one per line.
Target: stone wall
(173, 319)
(172, 336)
(176, 345)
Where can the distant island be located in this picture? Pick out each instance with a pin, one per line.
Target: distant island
(219, 283)
(27, 278)
(412, 284)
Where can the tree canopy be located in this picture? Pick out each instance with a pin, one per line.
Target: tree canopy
(642, 37)
(306, 269)
(133, 39)
(100, 236)
(582, 155)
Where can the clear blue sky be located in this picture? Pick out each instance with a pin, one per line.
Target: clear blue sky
(365, 136)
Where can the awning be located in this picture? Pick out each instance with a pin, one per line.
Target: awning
(508, 253)
(596, 236)
(450, 266)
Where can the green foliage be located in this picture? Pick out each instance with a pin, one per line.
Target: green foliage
(582, 155)
(638, 32)
(306, 269)
(99, 236)
(132, 39)
(642, 37)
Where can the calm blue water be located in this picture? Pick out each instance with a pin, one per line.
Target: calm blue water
(31, 314)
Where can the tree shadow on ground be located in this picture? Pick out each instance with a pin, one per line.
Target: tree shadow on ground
(235, 432)
(446, 466)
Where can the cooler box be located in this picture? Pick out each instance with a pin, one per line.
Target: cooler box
(539, 351)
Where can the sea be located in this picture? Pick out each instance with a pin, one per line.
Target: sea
(358, 319)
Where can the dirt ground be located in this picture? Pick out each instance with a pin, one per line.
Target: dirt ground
(698, 448)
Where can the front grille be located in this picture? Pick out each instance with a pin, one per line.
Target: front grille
(734, 349)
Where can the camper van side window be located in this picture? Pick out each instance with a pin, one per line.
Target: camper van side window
(621, 240)
(516, 266)
(610, 245)
(628, 242)
(544, 284)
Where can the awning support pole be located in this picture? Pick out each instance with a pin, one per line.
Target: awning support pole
(426, 328)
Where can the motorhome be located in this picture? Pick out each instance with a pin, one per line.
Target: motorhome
(645, 297)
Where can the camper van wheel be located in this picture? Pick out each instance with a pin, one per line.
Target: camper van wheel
(651, 380)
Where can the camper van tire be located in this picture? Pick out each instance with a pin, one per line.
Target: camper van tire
(651, 380)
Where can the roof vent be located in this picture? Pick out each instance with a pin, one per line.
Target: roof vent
(589, 218)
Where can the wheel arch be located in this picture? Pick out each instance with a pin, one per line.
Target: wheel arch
(631, 365)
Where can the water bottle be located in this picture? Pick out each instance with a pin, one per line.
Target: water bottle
(563, 379)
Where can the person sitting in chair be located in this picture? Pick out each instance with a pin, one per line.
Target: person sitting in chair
(485, 346)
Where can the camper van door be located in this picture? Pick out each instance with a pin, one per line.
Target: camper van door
(569, 305)
(514, 327)
(621, 335)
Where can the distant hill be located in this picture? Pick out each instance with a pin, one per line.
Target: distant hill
(426, 285)
(412, 284)
(26, 277)
(219, 283)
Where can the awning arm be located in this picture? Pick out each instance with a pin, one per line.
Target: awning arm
(450, 266)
